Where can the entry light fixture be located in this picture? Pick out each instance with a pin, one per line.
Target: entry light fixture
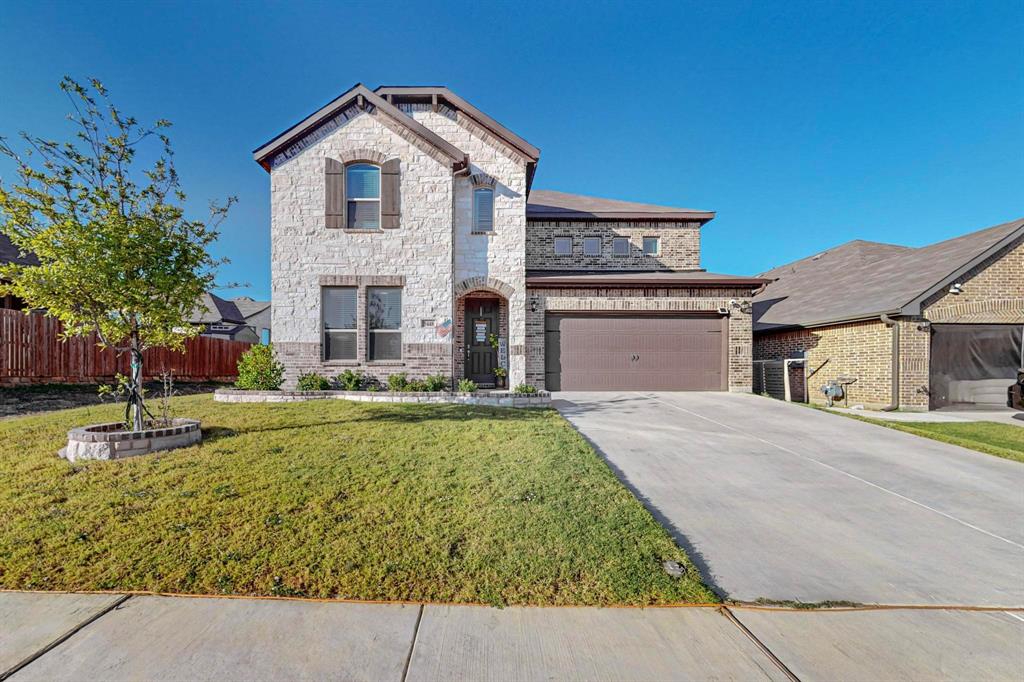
(956, 288)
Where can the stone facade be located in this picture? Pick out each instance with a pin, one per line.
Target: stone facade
(500, 254)
(491, 398)
(991, 293)
(680, 245)
(659, 299)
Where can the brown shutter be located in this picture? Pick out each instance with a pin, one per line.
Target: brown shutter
(390, 194)
(334, 198)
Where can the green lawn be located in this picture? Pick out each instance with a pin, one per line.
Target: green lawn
(993, 438)
(336, 499)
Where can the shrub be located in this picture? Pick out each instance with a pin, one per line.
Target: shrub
(398, 382)
(525, 388)
(417, 386)
(314, 382)
(259, 370)
(467, 386)
(436, 382)
(350, 380)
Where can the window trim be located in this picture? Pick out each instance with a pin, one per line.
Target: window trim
(554, 247)
(324, 329)
(370, 331)
(657, 245)
(377, 200)
(620, 240)
(475, 226)
(600, 246)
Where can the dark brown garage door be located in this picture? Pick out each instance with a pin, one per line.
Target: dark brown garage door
(635, 352)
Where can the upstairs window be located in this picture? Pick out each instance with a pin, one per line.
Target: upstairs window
(652, 246)
(362, 192)
(620, 246)
(563, 246)
(384, 323)
(483, 209)
(591, 246)
(339, 317)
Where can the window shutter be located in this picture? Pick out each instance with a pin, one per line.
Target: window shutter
(334, 188)
(390, 194)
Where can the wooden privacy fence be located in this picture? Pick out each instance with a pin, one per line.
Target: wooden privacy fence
(32, 352)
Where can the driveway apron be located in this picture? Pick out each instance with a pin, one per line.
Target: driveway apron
(782, 502)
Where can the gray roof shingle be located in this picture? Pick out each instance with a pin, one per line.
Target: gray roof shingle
(9, 253)
(862, 279)
(213, 309)
(545, 204)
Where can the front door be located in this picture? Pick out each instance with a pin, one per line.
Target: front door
(481, 357)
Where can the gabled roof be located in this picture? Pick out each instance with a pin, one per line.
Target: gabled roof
(439, 93)
(544, 204)
(10, 253)
(211, 309)
(360, 95)
(861, 280)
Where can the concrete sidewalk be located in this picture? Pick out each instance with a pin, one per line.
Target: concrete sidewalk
(65, 637)
(951, 416)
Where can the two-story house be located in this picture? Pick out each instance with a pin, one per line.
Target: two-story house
(407, 237)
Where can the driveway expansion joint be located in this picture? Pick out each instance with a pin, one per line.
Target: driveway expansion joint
(761, 646)
(31, 658)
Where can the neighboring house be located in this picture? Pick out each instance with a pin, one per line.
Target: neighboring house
(406, 238)
(222, 319)
(9, 253)
(945, 320)
(256, 315)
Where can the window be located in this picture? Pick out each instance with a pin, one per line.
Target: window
(563, 246)
(384, 323)
(652, 246)
(339, 316)
(265, 337)
(483, 209)
(591, 246)
(362, 192)
(620, 246)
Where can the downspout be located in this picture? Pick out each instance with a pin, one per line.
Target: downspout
(894, 403)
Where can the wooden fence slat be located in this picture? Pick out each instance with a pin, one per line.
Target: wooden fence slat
(31, 351)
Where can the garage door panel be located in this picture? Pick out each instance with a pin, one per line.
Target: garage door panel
(635, 352)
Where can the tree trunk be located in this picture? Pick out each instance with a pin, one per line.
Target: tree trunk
(135, 392)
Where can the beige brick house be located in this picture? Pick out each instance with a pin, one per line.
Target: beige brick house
(407, 237)
(912, 328)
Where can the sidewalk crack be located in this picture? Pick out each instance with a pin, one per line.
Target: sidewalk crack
(412, 644)
(724, 610)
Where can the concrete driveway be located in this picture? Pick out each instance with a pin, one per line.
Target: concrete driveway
(779, 501)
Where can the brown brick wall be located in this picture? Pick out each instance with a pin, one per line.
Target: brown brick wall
(680, 245)
(540, 301)
(860, 349)
(418, 360)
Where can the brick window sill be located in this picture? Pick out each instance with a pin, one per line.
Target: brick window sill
(341, 363)
(385, 363)
(483, 233)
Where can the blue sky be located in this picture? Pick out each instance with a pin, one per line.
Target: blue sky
(803, 125)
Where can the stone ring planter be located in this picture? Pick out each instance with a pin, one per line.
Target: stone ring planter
(111, 441)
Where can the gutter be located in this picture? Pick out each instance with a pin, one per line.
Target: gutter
(894, 403)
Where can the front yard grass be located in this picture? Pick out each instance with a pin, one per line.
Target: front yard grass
(443, 503)
(993, 438)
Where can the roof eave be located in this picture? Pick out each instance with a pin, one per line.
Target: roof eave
(849, 319)
(264, 154)
(702, 216)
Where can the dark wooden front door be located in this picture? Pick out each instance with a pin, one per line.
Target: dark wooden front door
(481, 358)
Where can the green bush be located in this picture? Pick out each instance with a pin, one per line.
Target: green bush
(398, 382)
(525, 388)
(314, 382)
(350, 380)
(259, 370)
(436, 382)
(416, 386)
(467, 386)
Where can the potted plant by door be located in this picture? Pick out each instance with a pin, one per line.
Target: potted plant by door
(499, 377)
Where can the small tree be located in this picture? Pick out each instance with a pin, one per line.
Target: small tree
(116, 254)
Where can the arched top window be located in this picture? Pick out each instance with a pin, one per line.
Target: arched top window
(483, 209)
(362, 193)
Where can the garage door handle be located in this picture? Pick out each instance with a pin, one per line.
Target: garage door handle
(636, 357)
